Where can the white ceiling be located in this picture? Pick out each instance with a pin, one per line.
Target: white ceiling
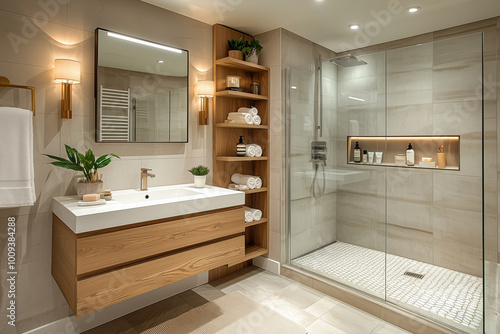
(326, 22)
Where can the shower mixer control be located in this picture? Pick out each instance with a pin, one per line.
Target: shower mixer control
(318, 152)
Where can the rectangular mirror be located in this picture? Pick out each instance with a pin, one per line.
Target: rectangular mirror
(141, 90)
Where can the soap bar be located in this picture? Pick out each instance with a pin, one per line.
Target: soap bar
(426, 159)
(91, 197)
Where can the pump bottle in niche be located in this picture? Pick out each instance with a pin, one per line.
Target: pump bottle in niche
(410, 156)
(241, 148)
(357, 153)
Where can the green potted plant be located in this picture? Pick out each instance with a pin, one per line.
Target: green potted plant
(200, 175)
(251, 51)
(235, 46)
(88, 165)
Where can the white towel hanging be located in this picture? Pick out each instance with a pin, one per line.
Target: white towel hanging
(17, 176)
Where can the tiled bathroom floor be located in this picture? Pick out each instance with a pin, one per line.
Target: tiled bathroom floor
(315, 311)
(445, 295)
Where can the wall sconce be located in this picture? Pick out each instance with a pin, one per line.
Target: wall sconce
(204, 90)
(66, 72)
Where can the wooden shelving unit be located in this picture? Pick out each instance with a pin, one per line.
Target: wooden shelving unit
(226, 135)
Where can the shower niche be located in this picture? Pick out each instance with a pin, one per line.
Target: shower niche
(432, 152)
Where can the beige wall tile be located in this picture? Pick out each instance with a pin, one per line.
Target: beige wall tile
(457, 192)
(458, 257)
(409, 120)
(410, 243)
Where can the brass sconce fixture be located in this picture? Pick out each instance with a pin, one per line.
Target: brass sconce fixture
(66, 72)
(204, 90)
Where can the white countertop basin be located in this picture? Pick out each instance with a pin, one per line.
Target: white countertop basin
(134, 206)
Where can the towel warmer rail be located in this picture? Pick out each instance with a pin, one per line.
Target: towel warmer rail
(5, 82)
(114, 114)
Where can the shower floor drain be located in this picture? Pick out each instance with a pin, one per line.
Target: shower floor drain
(409, 273)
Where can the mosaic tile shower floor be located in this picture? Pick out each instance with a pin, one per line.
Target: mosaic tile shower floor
(446, 295)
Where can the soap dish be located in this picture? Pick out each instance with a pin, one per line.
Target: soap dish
(98, 202)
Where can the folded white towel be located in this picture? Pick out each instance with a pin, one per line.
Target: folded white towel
(256, 213)
(248, 216)
(247, 180)
(256, 120)
(252, 110)
(17, 176)
(251, 151)
(258, 182)
(234, 186)
(239, 117)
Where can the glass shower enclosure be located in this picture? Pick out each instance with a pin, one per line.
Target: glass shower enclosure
(410, 235)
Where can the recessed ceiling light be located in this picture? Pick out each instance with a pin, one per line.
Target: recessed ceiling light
(293, 87)
(161, 61)
(353, 26)
(413, 9)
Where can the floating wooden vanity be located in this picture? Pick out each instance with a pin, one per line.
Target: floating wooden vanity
(99, 268)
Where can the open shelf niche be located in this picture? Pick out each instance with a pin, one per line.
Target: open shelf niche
(423, 146)
(226, 136)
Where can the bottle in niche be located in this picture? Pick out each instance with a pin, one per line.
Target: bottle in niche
(365, 156)
(357, 153)
(241, 148)
(410, 156)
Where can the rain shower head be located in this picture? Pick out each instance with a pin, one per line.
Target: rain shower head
(347, 61)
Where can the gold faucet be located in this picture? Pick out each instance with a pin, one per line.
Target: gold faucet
(144, 177)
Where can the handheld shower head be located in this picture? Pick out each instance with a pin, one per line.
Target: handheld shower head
(347, 61)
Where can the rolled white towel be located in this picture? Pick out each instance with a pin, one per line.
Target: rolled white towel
(258, 150)
(251, 151)
(258, 182)
(252, 110)
(247, 180)
(240, 117)
(256, 120)
(234, 186)
(256, 213)
(248, 216)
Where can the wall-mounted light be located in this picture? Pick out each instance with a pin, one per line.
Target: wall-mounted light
(66, 72)
(204, 90)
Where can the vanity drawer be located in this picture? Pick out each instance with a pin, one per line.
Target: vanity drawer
(106, 250)
(106, 289)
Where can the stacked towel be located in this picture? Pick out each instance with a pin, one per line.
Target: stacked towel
(254, 150)
(250, 150)
(248, 216)
(252, 182)
(255, 213)
(252, 110)
(17, 177)
(237, 117)
(256, 120)
(247, 180)
(258, 183)
(234, 186)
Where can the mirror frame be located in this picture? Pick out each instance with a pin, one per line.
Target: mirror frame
(96, 107)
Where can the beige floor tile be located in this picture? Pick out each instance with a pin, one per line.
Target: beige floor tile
(258, 286)
(299, 295)
(157, 313)
(192, 298)
(321, 327)
(289, 310)
(322, 306)
(208, 292)
(119, 325)
(386, 328)
(350, 320)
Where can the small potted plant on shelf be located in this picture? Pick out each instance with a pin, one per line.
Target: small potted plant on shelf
(251, 51)
(235, 46)
(200, 175)
(88, 165)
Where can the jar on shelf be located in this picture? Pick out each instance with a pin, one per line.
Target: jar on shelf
(232, 81)
(254, 88)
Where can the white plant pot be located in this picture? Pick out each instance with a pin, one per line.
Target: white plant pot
(83, 188)
(199, 181)
(253, 57)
